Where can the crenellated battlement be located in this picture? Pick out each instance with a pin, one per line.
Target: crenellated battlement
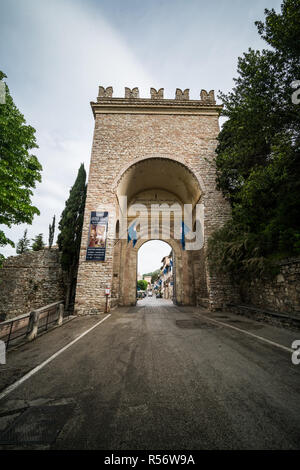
(132, 103)
(207, 98)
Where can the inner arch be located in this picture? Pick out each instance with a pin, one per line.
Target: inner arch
(152, 173)
(150, 255)
(156, 266)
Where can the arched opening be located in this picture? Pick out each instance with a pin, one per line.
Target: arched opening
(156, 273)
(148, 183)
(150, 174)
(148, 151)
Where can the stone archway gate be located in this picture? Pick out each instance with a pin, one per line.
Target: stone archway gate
(152, 149)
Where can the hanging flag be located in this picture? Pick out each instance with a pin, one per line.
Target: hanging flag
(184, 229)
(132, 234)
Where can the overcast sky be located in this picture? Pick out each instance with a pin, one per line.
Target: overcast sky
(146, 262)
(57, 52)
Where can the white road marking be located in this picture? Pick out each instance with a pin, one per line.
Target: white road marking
(265, 340)
(43, 364)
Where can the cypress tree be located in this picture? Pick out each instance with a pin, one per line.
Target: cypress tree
(23, 244)
(70, 227)
(51, 233)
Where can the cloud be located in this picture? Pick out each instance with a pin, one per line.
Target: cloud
(56, 54)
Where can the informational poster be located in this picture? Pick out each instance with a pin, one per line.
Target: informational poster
(97, 236)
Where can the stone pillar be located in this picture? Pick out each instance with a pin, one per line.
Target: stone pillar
(33, 326)
(95, 276)
(60, 314)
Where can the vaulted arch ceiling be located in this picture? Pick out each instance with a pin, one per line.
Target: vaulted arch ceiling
(160, 173)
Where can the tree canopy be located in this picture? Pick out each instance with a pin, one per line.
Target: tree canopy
(51, 233)
(19, 168)
(258, 154)
(38, 243)
(155, 275)
(142, 284)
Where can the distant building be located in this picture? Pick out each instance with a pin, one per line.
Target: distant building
(164, 284)
(147, 278)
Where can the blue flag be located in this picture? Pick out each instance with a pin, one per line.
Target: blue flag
(184, 229)
(132, 234)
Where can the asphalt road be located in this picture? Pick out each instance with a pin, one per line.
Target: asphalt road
(154, 377)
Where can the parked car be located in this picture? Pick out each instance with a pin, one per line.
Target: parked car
(141, 294)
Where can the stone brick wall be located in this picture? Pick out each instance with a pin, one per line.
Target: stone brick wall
(30, 281)
(281, 294)
(128, 131)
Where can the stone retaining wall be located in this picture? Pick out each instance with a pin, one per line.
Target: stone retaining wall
(281, 294)
(30, 281)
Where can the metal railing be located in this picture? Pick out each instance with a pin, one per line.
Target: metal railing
(27, 326)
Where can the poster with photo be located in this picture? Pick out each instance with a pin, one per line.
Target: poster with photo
(97, 236)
